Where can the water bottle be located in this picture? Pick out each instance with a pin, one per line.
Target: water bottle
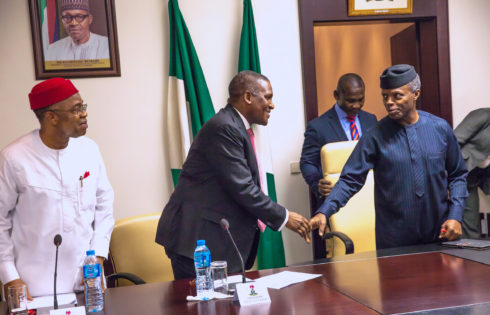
(202, 264)
(92, 275)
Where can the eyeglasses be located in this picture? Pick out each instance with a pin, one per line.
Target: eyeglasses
(77, 110)
(69, 18)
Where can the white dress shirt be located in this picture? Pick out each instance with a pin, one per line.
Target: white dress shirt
(43, 192)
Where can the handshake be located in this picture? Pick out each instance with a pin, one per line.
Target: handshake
(299, 224)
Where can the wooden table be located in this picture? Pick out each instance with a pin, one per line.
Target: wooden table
(365, 283)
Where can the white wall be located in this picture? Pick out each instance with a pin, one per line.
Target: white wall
(470, 62)
(126, 115)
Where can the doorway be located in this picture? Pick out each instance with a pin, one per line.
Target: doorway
(358, 47)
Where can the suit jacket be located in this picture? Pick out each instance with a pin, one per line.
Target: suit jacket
(219, 179)
(320, 131)
(473, 135)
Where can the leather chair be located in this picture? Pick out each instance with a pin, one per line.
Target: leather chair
(134, 255)
(356, 219)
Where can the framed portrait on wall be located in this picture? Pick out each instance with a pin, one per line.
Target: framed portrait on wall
(379, 7)
(74, 38)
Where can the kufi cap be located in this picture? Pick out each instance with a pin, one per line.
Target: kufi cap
(51, 91)
(398, 75)
(74, 5)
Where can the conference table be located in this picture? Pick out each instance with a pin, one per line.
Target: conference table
(426, 279)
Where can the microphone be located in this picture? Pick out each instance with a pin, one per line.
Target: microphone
(57, 243)
(225, 225)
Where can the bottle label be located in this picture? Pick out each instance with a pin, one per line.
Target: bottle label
(202, 260)
(91, 271)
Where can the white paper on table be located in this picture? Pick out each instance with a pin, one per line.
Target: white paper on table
(285, 278)
(48, 300)
(236, 279)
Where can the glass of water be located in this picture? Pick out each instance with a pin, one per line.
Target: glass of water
(219, 275)
(17, 297)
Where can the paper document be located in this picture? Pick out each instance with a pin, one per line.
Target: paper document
(47, 301)
(285, 278)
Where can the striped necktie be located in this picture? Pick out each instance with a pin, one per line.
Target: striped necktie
(353, 129)
(251, 135)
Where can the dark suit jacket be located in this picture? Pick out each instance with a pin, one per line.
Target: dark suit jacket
(219, 179)
(473, 135)
(320, 131)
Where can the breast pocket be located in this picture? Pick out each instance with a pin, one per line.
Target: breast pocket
(437, 163)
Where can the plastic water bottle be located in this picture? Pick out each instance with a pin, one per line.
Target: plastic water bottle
(202, 264)
(92, 275)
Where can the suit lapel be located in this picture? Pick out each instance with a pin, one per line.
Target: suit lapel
(333, 120)
(248, 148)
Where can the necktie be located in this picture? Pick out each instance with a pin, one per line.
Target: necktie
(251, 135)
(353, 129)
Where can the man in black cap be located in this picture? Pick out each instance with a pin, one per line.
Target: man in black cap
(416, 161)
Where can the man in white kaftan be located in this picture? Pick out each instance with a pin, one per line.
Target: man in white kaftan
(53, 181)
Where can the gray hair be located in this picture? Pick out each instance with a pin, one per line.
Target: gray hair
(415, 84)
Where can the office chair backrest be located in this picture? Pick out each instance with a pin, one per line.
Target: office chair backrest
(133, 249)
(357, 218)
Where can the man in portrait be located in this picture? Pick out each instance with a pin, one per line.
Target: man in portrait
(81, 43)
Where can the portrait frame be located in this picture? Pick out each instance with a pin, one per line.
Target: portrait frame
(379, 7)
(47, 60)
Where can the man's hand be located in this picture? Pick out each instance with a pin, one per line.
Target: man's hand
(298, 223)
(324, 187)
(319, 222)
(13, 283)
(100, 260)
(450, 230)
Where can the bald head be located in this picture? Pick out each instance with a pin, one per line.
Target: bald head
(242, 82)
(351, 79)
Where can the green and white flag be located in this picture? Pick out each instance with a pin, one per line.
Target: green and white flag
(271, 248)
(189, 104)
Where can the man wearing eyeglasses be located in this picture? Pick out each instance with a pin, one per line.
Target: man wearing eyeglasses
(81, 44)
(53, 181)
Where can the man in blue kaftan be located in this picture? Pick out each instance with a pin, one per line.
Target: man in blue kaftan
(419, 173)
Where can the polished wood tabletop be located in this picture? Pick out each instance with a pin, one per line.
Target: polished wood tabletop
(358, 284)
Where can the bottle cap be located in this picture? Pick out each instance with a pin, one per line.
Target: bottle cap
(91, 252)
(201, 242)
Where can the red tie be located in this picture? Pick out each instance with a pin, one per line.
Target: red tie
(252, 140)
(353, 129)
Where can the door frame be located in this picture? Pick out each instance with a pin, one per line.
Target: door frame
(317, 11)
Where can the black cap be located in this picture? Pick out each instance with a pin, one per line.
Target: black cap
(398, 75)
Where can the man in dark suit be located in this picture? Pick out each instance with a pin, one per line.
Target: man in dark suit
(473, 135)
(334, 126)
(220, 179)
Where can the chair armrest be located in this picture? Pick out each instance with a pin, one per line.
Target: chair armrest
(123, 275)
(349, 245)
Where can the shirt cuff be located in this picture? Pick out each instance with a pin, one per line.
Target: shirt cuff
(8, 272)
(285, 220)
(101, 248)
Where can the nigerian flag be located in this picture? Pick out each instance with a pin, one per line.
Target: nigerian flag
(189, 104)
(271, 249)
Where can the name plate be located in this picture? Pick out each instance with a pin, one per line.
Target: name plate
(252, 293)
(79, 310)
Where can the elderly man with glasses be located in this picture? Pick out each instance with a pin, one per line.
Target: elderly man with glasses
(81, 44)
(53, 181)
